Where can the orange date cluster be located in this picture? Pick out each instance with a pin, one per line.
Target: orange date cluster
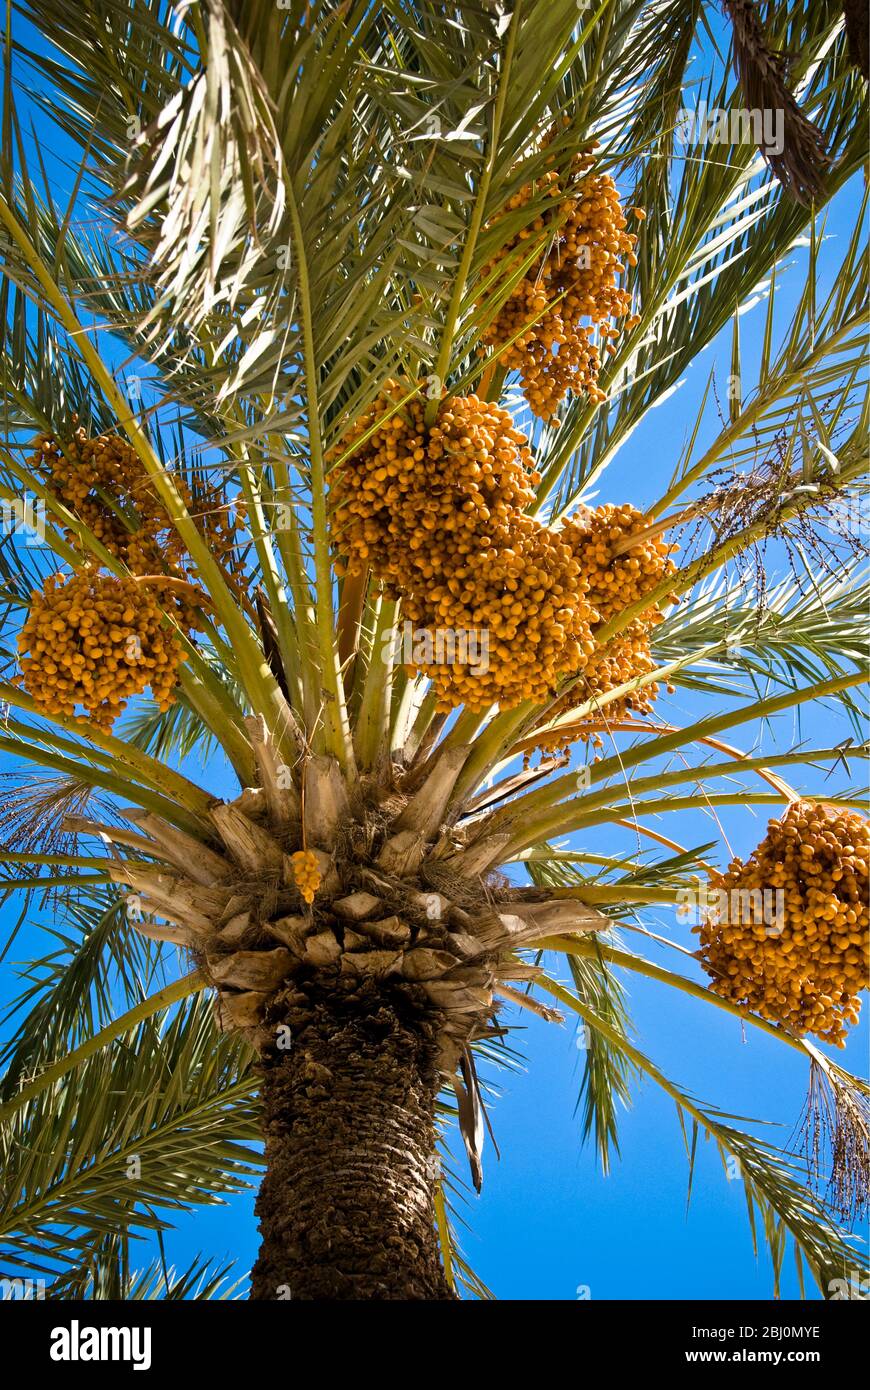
(792, 940)
(93, 640)
(538, 329)
(439, 514)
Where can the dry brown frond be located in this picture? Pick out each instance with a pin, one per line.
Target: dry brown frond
(802, 163)
(33, 811)
(857, 17)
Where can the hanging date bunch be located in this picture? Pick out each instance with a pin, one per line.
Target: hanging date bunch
(415, 502)
(561, 314)
(790, 938)
(306, 873)
(621, 565)
(526, 601)
(103, 482)
(439, 515)
(92, 641)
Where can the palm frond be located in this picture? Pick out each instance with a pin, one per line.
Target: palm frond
(801, 163)
(708, 246)
(608, 1075)
(794, 631)
(771, 1175)
(158, 1122)
(74, 991)
(107, 1273)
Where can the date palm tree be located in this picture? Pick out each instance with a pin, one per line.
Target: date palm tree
(269, 212)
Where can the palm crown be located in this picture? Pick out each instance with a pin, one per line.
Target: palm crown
(287, 350)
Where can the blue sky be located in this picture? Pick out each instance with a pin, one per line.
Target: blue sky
(547, 1222)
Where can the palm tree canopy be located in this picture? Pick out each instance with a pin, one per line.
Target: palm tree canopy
(285, 231)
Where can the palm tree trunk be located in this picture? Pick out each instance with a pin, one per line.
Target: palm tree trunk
(346, 1205)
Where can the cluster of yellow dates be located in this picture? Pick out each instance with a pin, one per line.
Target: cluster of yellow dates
(306, 873)
(790, 939)
(92, 640)
(537, 330)
(439, 515)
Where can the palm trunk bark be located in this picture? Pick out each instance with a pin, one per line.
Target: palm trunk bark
(346, 1205)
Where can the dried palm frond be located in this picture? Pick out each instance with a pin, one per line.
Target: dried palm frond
(802, 162)
(34, 809)
(857, 17)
